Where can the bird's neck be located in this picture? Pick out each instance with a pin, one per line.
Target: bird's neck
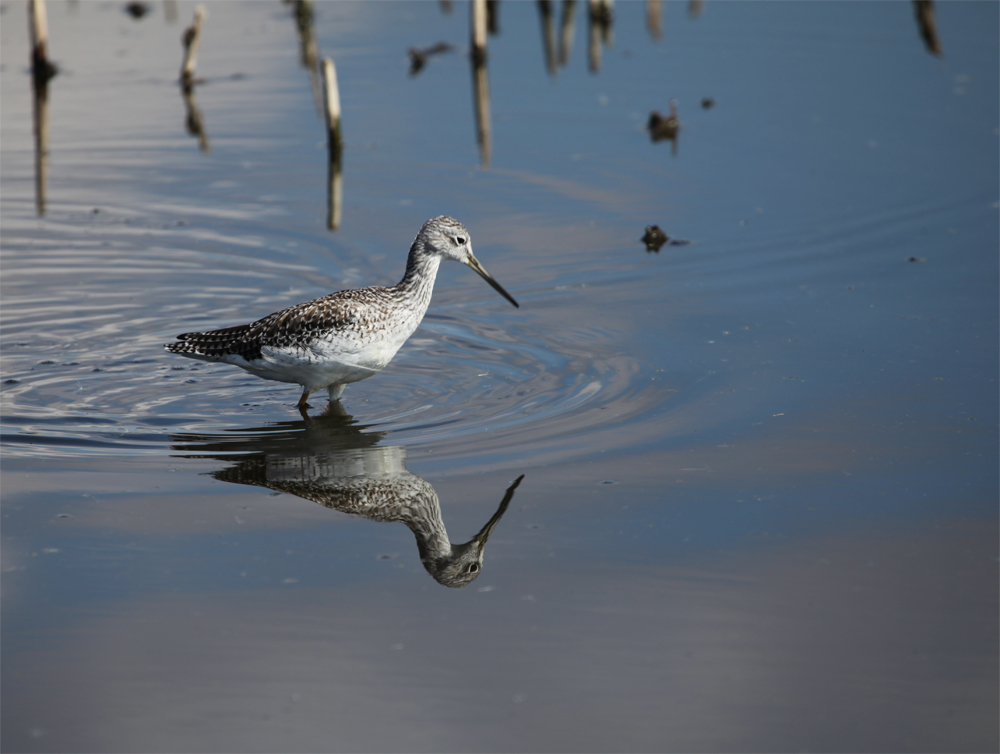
(418, 280)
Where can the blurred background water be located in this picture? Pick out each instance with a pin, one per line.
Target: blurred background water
(759, 505)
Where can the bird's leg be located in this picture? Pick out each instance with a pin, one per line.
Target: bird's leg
(302, 401)
(335, 391)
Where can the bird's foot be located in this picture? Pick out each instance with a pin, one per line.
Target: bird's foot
(302, 405)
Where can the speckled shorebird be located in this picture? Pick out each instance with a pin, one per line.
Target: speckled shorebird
(345, 336)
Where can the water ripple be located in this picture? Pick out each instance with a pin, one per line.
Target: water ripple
(110, 388)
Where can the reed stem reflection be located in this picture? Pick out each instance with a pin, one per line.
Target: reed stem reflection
(308, 48)
(566, 31)
(601, 17)
(926, 23)
(548, 36)
(654, 19)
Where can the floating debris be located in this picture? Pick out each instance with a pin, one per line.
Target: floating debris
(664, 128)
(916, 259)
(418, 57)
(137, 10)
(707, 103)
(660, 127)
(655, 239)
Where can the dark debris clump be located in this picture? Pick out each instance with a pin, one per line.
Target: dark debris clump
(655, 239)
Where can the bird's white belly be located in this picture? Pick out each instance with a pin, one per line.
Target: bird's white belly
(321, 363)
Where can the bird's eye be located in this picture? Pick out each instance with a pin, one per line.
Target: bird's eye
(461, 240)
(473, 567)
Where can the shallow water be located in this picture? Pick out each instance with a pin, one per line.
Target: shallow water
(759, 505)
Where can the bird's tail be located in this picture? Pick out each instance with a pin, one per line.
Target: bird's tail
(216, 345)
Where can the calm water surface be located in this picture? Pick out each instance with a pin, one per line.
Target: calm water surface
(759, 504)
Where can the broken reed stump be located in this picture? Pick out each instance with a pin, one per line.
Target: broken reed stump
(479, 26)
(38, 27)
(190, 39)
(335, 144)
(332, 108)
(481, 81)
(41, 72)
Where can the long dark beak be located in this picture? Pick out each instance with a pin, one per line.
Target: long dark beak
(485, 532)
(474, 264)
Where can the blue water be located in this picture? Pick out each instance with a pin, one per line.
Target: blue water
(759, 509)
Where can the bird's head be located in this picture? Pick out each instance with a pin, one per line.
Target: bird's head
(448, 238)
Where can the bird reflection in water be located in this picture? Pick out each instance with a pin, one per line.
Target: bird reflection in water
(332, 461)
